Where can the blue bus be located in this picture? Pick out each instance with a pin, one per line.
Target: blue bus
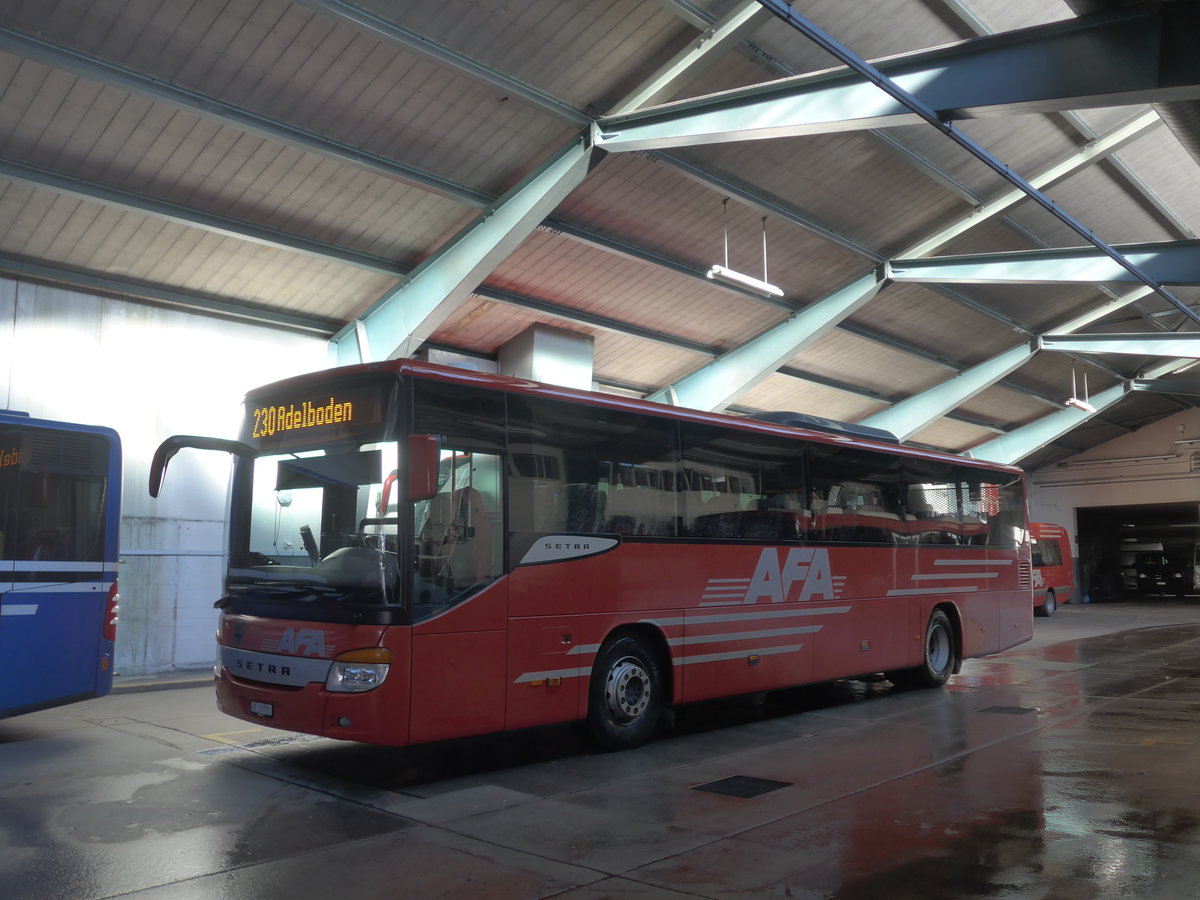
(60, 494)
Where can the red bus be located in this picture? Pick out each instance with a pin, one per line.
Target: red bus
(1053, 568)
(421, 553)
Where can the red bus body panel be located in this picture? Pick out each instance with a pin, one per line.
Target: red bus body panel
(734, 619)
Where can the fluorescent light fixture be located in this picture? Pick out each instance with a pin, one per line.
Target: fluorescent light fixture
(729, 276)
(1079, 404)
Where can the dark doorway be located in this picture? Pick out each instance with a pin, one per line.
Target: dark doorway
(1131, 551)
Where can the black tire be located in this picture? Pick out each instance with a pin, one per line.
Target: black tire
(940, 656)
(1046, 610)
(625, 698)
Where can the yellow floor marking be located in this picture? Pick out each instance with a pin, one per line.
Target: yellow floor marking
(1154, 742)
(220, 736)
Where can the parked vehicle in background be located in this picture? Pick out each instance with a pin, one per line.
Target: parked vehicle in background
(1053, 567)
(1138, 557)
(60, 491)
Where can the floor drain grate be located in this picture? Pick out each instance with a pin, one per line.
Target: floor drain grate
(742, 786)
(1009, 710)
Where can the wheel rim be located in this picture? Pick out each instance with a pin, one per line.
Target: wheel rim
(937, 649)
(627, 689)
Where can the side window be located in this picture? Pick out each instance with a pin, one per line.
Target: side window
(460, 531)
(743, 485)
(52, 491)
(993, 508)
(856, 495)
(581, 469)
(950, 504)
(932, 502)
(1046, 553)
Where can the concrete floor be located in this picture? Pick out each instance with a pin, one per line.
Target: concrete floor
(1064, 768)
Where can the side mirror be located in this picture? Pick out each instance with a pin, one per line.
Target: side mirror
(424, 454)
(172, 445)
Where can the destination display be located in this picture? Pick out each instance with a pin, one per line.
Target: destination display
(302, 417)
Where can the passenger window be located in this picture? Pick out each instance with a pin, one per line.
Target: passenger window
(584, 470)
(743, 485)
(855, 495)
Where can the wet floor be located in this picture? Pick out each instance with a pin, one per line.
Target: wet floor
(1064, 768)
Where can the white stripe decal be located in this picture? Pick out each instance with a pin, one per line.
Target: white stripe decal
(955, 575)
(56, 587)
(972, 562)
(743, 635)
(912, 592)
(43, 565)
(554, 673)
(583, 648)
(736, 654)
(749, 616)
(18, 609)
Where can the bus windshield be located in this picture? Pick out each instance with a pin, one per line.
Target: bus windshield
(316, 532)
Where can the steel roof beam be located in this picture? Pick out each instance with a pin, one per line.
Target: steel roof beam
(1187, 386)
(190, 216)
(410, 312)
(1154, 344)
(909, 416)
(914, 414)
(100, 70)
(1095, 61)
(127, 288)
(936, 119)
(364, 20)
(1088, 155)
(1017, 444)
(722, 381)
(1167, 262)
(696, 56)
(211, 108)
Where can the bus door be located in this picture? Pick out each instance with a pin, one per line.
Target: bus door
(52, 590)
(459, 602)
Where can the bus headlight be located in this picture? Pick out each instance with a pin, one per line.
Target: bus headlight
(358, 670)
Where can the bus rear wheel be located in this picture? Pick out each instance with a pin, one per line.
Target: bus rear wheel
(940, 656)
(625, 698)
(1048, 607)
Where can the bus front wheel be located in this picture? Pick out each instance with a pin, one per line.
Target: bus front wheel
(625, 698)
(1048, 606)
(940, 656)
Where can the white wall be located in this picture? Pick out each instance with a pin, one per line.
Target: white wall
(1150, 465)
(149, 373)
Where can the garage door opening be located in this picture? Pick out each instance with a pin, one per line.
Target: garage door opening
(1131, 552)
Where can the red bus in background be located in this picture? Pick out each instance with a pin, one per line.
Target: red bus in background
(421, 553)
(1053, 567)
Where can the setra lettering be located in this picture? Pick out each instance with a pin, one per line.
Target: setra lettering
(258, 668)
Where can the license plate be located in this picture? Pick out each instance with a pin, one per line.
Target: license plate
(258, 708)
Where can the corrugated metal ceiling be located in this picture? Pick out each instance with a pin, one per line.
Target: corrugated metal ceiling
(284, 156)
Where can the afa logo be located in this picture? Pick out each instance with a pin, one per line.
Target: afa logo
(302, 642)
(797, 573)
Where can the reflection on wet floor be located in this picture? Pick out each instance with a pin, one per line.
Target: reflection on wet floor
(1057, 771)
